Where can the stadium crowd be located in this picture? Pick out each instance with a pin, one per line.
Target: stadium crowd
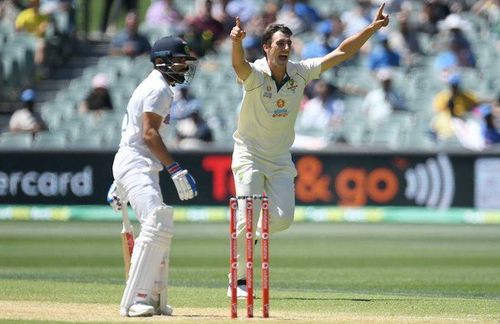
(432, 78)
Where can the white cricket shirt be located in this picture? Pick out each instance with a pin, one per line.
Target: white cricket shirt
(267, 117)
(152, 95)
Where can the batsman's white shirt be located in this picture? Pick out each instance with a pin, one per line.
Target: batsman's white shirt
(267, 117)
(152, 95)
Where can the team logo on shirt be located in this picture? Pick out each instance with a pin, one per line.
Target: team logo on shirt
(280, 113)
(268, 88)
(292, 85)
(280, 103)
(268, 94)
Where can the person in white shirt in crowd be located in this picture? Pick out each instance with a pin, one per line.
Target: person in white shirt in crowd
(381, 102)
(27, 118)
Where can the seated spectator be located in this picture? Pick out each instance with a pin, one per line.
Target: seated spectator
(455, 100)
(204, 33)
(112, 10)
(458, 51)
(26, 118)
(357, 18)
(191, 130)
(324, 111)
(9, 10)
(319, 46)
(245, 9)
(382, 55)
(287, 16)
(130, 42)
(64, 14)
(31, 20)
(406, 41)
(164, 14)
(301, 9)
(381, 102)
(491, 122)
(98, 99)
(450, 103)
(253, 47)
(432, 12)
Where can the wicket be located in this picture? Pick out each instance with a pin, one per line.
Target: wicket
(249, 252)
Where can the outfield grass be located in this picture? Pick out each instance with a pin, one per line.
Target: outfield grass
(319, 272)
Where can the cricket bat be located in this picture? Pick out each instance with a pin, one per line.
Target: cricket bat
(127, 240)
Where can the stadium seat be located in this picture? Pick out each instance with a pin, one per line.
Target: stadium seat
(50, 140)
(16, 140)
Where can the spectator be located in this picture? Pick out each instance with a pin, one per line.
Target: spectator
(191, 130)
(432, 12)
(406, 41)
(337, 34)
(31, 20)
(488, 9)
(164, 14)
(110, 12)
(323, 112)
(303, 10)
(381, 102)
(26, 118)
(458, 51)
(319, 46)
(382, 55)
(245, 9)
(9, 10)
(98, 99)
(130, 42)
(455, 100)
(63, 13)
(357, 18)
(252, 47)
(287, 16)
(491, 122)
(204, 32)
(449, 103)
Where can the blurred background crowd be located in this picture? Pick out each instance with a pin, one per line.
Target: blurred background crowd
(428, 82)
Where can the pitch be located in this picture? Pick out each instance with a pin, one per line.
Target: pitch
(320, 272)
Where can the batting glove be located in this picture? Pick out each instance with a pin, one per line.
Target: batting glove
(113, 199)
(184, 182)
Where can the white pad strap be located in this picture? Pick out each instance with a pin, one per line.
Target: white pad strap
(149, 251)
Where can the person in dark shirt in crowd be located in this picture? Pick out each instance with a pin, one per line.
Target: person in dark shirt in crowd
(130, 42)
(204, 32)
(98, 99)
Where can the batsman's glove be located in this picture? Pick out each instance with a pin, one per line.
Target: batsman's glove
(184, 182)
(113, 200)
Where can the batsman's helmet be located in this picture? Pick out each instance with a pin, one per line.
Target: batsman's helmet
(171, 56)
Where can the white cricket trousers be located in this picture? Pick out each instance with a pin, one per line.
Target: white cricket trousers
(140, 182)
(253, 177)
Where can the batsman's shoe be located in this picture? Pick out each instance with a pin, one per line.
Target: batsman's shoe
(141, 310)
(241, 290)
(166, 310)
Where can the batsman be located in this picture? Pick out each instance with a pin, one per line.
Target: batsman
(142, 154)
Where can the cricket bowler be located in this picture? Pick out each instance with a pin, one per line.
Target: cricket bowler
(273, 88)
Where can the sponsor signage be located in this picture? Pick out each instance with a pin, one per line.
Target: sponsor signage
(344, 179)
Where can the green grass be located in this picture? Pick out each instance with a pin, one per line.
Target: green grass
(357, 271)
